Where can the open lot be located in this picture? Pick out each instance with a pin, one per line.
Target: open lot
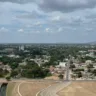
(79, 89)
(12, 89)
(26, 88)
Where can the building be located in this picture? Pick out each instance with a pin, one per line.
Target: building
(62, 64)
(88, 62)
(21, 48)
(13, 56)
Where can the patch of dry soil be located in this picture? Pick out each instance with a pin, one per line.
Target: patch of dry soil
(79, 89)
(32, 88)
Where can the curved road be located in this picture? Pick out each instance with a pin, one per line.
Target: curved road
(52, 90)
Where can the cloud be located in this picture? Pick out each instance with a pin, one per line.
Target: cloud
(89, 29)
(32, 15)
(63, 21)
(3, 29)
(66, 5)
(37, 31)
(17, 1)
(56, 18)
(21, 30)
(37, 23)
(60, 29)
(58, 5)
(47, 29)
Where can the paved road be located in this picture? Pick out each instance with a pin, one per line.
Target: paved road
(52, 90)
(67, 71)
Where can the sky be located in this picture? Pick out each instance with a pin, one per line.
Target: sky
(47, 21)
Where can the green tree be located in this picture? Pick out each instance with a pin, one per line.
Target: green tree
(14, 73)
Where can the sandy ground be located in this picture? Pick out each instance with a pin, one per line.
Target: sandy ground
(79, 89)
(26, 88)
(52, 90)
(12, 89)
(30, 89)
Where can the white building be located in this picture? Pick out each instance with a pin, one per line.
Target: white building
(62, 64)
(13, 56)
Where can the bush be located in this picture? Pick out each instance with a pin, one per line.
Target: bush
(8, 78)
(72, 66)
(79, 74)
(60, 76)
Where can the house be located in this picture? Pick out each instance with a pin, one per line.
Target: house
(7, 67)
(52, 69)
(13, 56)
(62, 64)
(88, 62)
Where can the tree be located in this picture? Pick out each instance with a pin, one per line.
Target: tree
(94, 72)
(8, 78)
(14, 73)
(61, 76)
(72, 66)
(90, 66)
(79, 74)
(14, 65)
(1, 73)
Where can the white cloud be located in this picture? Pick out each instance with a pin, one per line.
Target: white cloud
(60, 29)
(47, 29)
(3, 29)
(56, 18)
(21, 30)
(51, 30)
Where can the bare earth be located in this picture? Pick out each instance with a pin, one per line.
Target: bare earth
(30, 89)
(12, 89)
(26, 88)
(52, 90)
(79, 89)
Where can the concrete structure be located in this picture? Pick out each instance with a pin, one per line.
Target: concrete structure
(62, 64)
